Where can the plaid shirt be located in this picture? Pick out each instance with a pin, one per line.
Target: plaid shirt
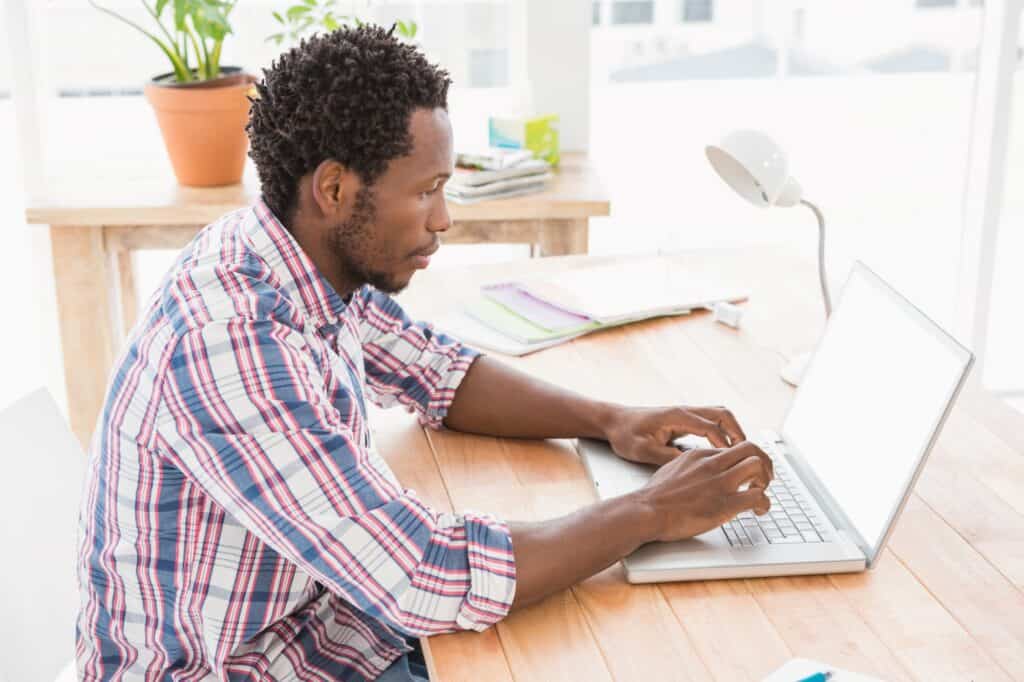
(237, 521)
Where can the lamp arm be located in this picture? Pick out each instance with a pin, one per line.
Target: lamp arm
(821, 256)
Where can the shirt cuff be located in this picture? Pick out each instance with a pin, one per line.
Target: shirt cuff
(492, 572)
(451, 377)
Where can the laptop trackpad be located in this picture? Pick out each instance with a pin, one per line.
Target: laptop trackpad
(708, 549)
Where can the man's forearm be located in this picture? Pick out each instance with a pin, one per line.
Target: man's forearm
(529, 407)
(690, 493)
(553, 555)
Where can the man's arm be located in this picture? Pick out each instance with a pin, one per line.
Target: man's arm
(529, 407)
(534, 408)
(249, 422)
(407, 362)
(692, 493)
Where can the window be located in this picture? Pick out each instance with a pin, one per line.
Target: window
(471, 38)
(89, 54)
(5, 60)
(633, 12)
(488, 68)
(660, 93)
(93, 68)
(697, 10)
(596, 21)
(1001, 361)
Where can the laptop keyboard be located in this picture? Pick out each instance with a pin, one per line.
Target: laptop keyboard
(790, 520)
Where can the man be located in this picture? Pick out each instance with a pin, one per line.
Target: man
(237, 521)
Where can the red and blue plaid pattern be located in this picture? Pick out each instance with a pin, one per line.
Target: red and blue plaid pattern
(237, 521)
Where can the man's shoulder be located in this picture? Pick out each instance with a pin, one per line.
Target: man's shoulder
(220, 277)
(375, 304)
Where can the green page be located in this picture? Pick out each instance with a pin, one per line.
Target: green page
(514, 326)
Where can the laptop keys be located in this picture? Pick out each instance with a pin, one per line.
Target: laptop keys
(788, 540)
(786, 523)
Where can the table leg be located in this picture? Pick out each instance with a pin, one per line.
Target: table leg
(126, 290)
(564, 237)
(82, 278)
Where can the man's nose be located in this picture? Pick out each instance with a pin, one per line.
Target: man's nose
(440, 220)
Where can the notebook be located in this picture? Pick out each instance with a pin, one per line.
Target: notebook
(615, 293)
(477, 334)
(521, 329)
(540, 313)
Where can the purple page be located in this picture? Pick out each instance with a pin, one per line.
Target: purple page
(539, 312)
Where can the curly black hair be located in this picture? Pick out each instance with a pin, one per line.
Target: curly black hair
(347, 95)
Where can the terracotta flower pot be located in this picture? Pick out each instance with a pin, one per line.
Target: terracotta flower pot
(203, 126)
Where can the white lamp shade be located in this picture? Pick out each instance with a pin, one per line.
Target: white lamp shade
(756, 167)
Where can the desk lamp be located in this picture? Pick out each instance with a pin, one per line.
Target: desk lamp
(756, 167)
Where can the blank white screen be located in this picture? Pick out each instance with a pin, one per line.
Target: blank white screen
(873, 394)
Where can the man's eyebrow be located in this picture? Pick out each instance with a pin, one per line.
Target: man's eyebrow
(438, 176)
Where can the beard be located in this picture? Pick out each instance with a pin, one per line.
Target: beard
(353, 242)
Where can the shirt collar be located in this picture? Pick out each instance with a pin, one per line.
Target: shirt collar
(300, 279)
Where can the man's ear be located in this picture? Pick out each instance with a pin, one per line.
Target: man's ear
(333, 187)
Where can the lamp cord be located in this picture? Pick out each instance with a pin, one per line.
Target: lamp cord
(821, 256)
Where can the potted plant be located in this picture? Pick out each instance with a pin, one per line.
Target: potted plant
(201, 107)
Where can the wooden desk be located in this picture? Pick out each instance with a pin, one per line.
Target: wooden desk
(944, 603)
(98, 216)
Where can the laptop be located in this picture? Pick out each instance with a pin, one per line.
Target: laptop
(868, 410)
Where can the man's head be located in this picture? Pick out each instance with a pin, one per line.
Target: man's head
(351, 138)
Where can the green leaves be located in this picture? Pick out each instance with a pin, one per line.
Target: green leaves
(180, 12)
(210, 20)
(201, 24)
(407, 29)
(304, 17)
(296, 12)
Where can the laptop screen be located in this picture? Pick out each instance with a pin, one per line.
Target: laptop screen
(874, 393)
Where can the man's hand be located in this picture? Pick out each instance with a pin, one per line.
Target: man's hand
(700, 490)
(645, 435)
(696, 491)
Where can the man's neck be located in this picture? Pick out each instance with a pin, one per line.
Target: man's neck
(310, 236)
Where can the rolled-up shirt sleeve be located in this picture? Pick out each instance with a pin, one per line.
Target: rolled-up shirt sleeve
(251, 425)
(407, 362)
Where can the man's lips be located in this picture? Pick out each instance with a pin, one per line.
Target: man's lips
(427, 253)
(422, 258)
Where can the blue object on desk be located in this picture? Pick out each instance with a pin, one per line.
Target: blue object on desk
(817, 677)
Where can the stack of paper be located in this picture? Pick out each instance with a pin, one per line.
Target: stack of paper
(521, 317)
(501, 173)
(492, 158)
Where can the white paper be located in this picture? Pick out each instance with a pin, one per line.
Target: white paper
(799, 668)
